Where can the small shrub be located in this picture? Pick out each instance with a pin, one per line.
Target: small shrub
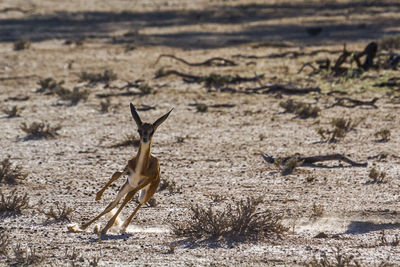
(383, 135)
(104, 106)
(10, 174)
(26, 256)
(377, 177)
(13, 203)
(129, 140)
(241, 222)
(146, 89)
(39, 130)
(50, 86)
(317, 210)
(13, 112)
(339, 260)
(170, 186)
(303, 110)
(58, 213)
(4, 242)
(22, 45)
(340, 129)
(73, 96)
(201, 107)
(105, 77)
(391, 42)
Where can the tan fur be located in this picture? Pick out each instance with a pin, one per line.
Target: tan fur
(144, 175)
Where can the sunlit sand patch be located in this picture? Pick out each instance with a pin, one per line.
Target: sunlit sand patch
(138, 229)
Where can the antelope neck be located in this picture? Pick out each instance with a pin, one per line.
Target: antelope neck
(143, 156)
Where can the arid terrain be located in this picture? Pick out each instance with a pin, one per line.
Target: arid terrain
(75, 66)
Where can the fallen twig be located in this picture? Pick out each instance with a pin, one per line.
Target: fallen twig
(215, 61)
(288, 164)
(352, 103)
(211, 79)
(392, 82)
(290, 54)
(284, 89)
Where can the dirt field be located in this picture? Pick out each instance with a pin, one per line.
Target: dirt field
(212, 156)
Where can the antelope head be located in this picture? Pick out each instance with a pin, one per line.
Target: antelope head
(146, 130)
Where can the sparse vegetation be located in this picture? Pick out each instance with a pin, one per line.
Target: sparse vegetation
(201, 107)
(22, 45)
(170, 186)
(106, 77)
(13, 203)
(391, 42)
(383, 135)
(340, 260)
(58, 212)
(50, 86)
(73, 96)
(104, 106)
(241, 222)
(10, 174)
(12, 112)
(26, 256)
(4, 242)
(38, 130)
(340, 129)
(377, 177)
(317, 210)
(303, 110)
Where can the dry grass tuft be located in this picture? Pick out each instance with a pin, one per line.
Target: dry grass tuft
(12, 112)
(104, 106)
(26, 256)
(341, 127)
(339, 260)
(73, 96)
(170, 186)
(21, 45)
(377, 177)
(10, 175)
(58, 212)
(50, 86)
(38, 130)
(4, 242)
(13, 203)
(303, 110)
(93, 78)
(391, 42)
(383, 135)
(241, 222)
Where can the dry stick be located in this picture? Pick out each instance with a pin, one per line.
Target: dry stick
(215, 105)
(209, 78)
(306, 161)
(279, 88)
(294, 54)
(215, 61)
(340, 101)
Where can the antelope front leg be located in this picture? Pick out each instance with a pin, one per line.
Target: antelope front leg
(114, 177)
(124, 190)
(127, 199)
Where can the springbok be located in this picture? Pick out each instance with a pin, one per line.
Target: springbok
(143, 172)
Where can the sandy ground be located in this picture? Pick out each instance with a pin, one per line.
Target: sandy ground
(207, 154)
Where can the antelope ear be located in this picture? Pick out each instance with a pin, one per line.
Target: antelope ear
(161, 119)
(135, 115)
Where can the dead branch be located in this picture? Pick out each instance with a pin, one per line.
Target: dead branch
(392, 82)
(284, 89)
(307, 161)
(211, 79)
(352, 103)
(215, 61)
(214, 106)
(290, 54)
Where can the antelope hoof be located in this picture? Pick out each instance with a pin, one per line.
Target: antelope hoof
(98, 195)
